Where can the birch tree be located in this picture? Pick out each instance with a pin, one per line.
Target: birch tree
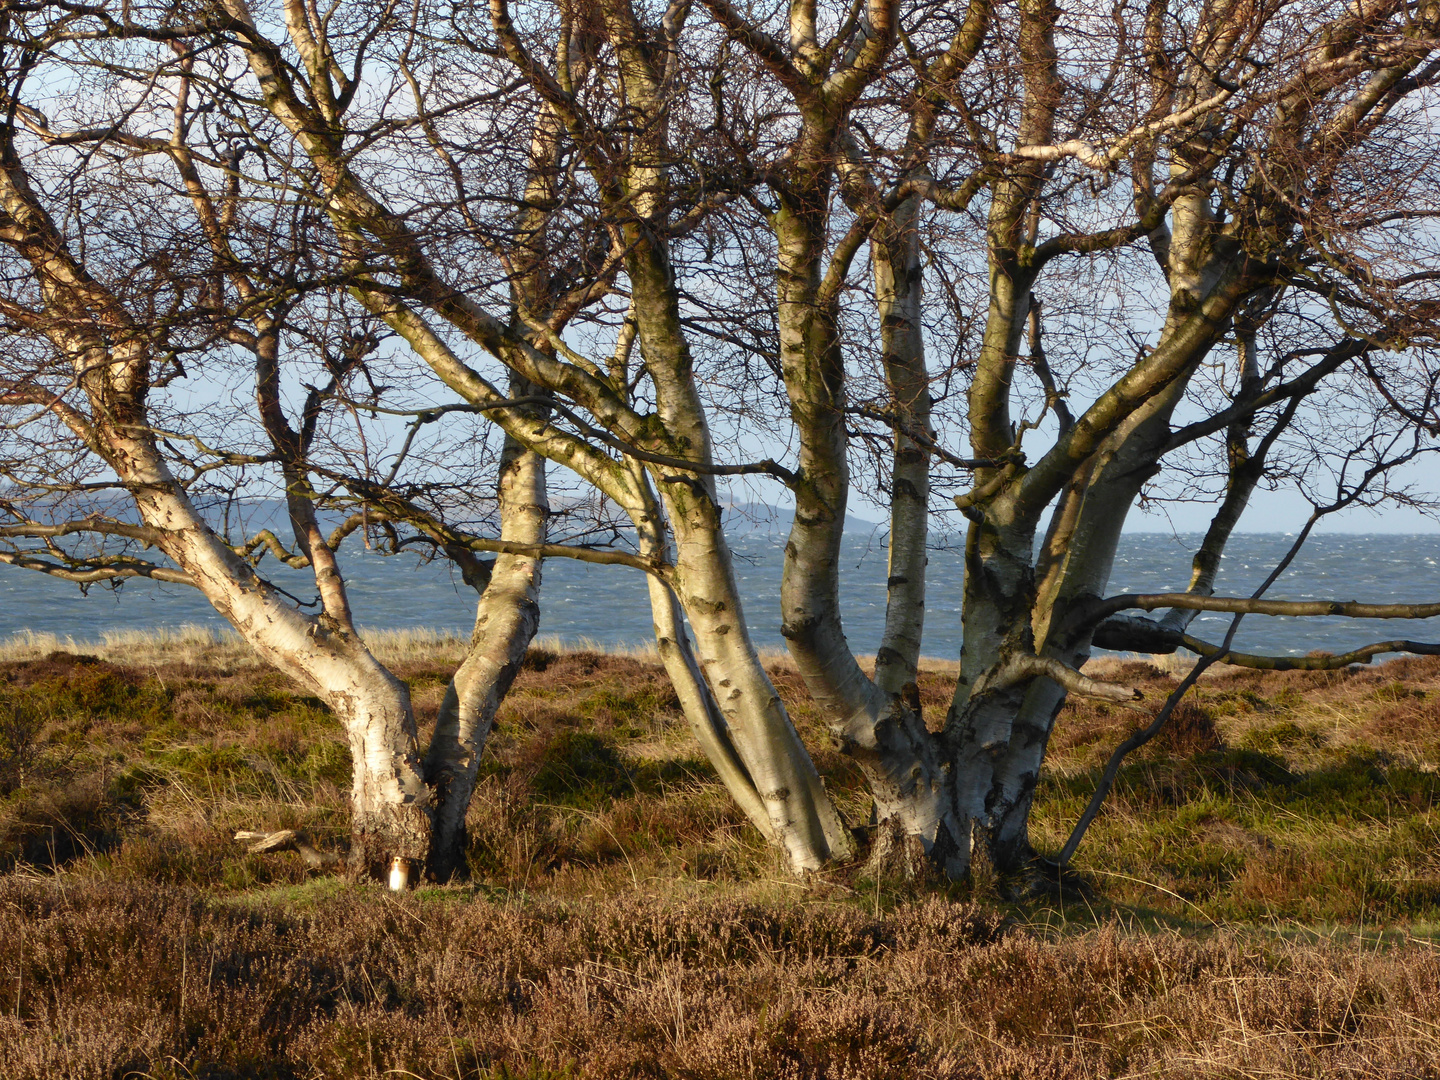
(112, 304)
(650, 463)
(833, 142)
(1238, 135)
(1090, 213)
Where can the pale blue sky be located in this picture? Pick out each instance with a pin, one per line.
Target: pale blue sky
(1282, 511)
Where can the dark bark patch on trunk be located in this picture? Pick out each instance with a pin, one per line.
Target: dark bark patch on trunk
(897, 855)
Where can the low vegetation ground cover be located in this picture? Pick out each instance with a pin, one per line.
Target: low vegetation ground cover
(1263, 888)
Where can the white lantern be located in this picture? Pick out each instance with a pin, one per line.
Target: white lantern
(399, 873)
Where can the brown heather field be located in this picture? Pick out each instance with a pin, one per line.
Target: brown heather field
(1263, 891)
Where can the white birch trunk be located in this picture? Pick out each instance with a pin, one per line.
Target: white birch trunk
(1074, 565)
(876, 722)
(506, 619)
(803, 821)
(389, 799)
(702, 711)
(95, 332)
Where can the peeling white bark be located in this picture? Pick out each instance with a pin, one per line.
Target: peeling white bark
(389, 799)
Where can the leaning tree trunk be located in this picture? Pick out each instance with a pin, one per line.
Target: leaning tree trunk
(697, 702)
(89, 326)
(507, 616)
(803, 820)
(389, 800)
(508, 613)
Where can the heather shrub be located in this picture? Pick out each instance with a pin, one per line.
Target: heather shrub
(355, 983)
(622, 920)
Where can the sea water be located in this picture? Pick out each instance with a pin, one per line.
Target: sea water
(608, 605)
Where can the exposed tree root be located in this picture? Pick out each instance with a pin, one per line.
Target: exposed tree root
(1041, 878)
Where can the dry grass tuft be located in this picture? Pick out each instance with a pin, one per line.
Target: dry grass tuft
(186, 645)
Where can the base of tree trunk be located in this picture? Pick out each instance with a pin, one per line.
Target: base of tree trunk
(898, 855)
(1038, 878)
(447, 859)
(378, 838)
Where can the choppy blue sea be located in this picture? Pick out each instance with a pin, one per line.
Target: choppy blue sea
(608, 605)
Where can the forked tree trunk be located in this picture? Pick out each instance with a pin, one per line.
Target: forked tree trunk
(803, 820)
(876, 722)
(1017, 601)
(702, 713)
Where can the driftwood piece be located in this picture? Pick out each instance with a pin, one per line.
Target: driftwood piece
(288, 840)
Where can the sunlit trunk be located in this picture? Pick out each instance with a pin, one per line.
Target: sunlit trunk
(697, 702)
(803, 821)
(389, 800)
(507, 617)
